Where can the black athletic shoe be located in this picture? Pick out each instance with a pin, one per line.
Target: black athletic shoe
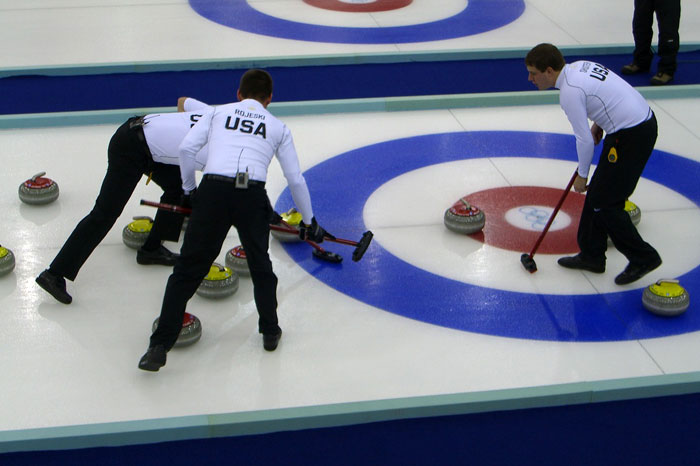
(160, 256)
(54, 285)
(581, 263)
(270, 341)
(154, 359)
(634, 272)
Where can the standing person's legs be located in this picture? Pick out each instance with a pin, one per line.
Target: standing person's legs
(642, 31)
(668, 15)
(206, 232)
(591, 235)
(614, 182)
(634, 147)
(252, 221)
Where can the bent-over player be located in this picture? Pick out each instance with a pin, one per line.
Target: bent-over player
(589, 90)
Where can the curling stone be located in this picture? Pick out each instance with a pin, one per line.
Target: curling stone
(293, 218)
(219, 282)
(237, 261)
(38, 190)
(135, 233)
(464, 218)
(666, 298)
(7, 261)
(632, 209)
(190, 333)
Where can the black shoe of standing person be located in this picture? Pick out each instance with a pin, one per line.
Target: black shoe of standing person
(634, 272)
(55, 285)
(271, 340)
(154, 359)
(580, 262)
(160, 256)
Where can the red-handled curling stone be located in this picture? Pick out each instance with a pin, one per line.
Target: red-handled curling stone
(38, 190)
(7, 261)
(237, 261)
(219, 282)
(464, 218)
(136, 232)
(190, 333)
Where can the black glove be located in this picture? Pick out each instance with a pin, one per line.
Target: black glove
(313, 232)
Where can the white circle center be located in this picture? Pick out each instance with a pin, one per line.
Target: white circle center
(535, 217)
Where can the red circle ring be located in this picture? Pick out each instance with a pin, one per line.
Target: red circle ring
(498, 232)
(377, 5)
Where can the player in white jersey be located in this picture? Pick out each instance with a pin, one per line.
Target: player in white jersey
(590, 91)
(145, 145)
(242, 138)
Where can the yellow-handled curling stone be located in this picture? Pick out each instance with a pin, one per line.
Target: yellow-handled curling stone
(136, 232)
(220, 282)
(291, 218)
(7, 261)
(666, 298)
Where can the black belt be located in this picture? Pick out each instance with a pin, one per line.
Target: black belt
(648, 121)
(229, 179)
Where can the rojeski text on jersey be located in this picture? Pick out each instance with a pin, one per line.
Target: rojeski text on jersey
(243, 114)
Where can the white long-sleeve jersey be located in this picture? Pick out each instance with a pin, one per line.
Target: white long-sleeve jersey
(244, 137)
(165, 131)
(589, 91)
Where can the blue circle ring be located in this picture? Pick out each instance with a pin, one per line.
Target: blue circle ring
(478, 16)
(340, 187)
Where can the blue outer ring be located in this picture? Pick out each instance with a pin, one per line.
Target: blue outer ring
(340, 187)
(479, 16)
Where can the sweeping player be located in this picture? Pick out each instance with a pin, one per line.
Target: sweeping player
(242, 137)
(142, 145)
(589, 90)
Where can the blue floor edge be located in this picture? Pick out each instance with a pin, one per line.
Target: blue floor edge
(106, 87)
(344, 414)
(282, 109)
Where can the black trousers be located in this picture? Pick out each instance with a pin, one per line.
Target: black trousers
(128, 159)
(218, 205)
(622, 161)
(668, 16)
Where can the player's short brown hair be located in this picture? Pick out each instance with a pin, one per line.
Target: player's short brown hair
(543, 56)
(256, 84)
